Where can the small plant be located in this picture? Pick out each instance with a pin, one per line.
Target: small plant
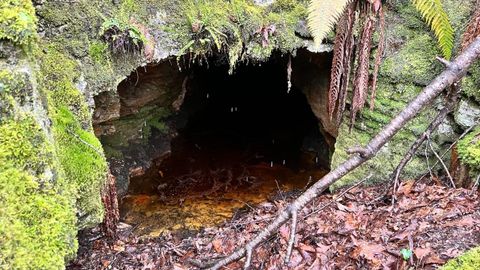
(122, 38)
(406, 254)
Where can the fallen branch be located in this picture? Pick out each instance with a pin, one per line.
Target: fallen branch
(450, 104)
(452, 73)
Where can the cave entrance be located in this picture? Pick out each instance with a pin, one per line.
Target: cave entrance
(235, 140)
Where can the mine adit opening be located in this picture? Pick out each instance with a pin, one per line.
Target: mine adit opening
(230, 140)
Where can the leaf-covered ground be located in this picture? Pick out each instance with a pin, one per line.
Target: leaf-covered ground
(357, 231)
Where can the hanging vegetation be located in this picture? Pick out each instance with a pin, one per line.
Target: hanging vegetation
(369, 15)
(122, 38)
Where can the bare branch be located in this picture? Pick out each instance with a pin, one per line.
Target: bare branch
(291, 241)
(444, 61)
(453, 73)
(441, 161)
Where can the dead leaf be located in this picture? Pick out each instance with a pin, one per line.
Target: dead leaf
(284, 232)
(369, 251)
(466, 221)
(406, 187)
(304, 247)
(217, 245)
(422, 252)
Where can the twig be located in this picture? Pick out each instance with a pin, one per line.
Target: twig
(450, 104)
(441, 161)
(452, 145)
(339, 196)
(428, 163)
(410, 246)
(85, 142)
(279, 190)
(291, 240)
(455, 142)
(476, 183)
(444, 61)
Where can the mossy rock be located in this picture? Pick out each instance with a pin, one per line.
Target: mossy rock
(18, 22)
(78, 150)
(37, 217)
(469, 260)
(414, 63)
(469, 149)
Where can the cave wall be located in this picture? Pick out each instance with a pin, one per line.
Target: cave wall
(54, 61)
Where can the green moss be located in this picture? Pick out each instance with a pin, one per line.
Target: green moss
(37, 217)
(470, 260)
(77, 148)
(12, 86)
(18, 22)
(469, 149)
(471, 82)
(230, 26)
(414, 62)
(99, 53)
(80, 155)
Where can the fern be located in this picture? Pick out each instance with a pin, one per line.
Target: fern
(323, 15)
(433, 13)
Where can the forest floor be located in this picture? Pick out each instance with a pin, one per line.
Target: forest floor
(431, 222)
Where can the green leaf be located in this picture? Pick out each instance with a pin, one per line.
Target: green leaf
(323, 15)
(406, 254)
(436, 17)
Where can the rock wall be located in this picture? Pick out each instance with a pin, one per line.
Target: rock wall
(55, 57)
(409, 64)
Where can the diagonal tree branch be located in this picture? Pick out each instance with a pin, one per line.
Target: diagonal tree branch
(452, 73)
(451, 101)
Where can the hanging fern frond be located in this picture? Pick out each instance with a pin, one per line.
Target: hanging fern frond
(473, 29)
(342, 54)
(436, 17)
(378, 57)
(360, 86)
(323, 15)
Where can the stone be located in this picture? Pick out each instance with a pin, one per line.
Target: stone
(446, 132)
(467, 114)
(264, 3)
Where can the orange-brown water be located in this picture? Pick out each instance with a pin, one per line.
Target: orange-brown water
(198, 187)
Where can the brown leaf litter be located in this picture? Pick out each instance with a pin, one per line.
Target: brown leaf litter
(357, 232)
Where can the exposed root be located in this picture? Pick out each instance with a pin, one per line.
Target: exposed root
(110, 203)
